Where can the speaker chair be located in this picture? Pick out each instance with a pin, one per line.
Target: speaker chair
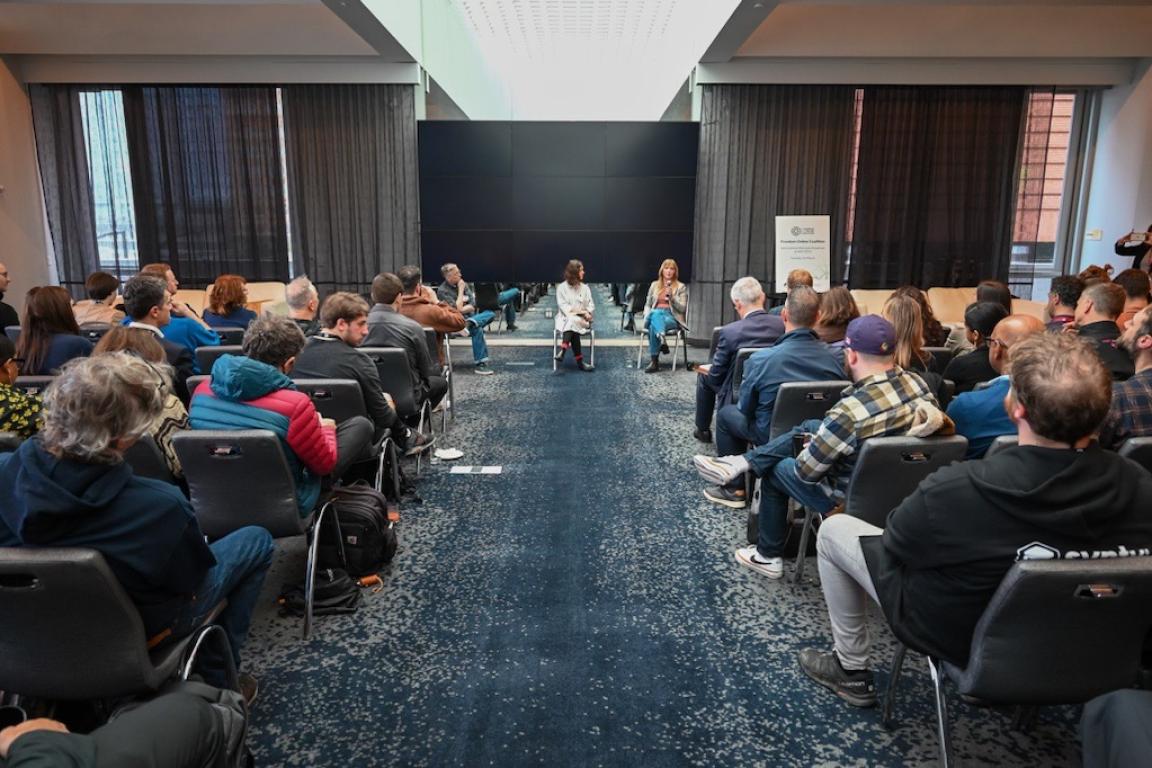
(679, 336)
(590, 336)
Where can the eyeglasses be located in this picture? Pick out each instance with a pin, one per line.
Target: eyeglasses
(993, 341)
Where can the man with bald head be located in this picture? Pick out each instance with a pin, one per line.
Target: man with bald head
(980, 414)
(8, 315)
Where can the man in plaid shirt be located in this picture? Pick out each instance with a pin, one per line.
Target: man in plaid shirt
(1131, 411)
(882, 401)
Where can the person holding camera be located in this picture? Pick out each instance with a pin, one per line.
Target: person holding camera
(1137, 245)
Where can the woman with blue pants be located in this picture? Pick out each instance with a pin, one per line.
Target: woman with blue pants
(664, 311)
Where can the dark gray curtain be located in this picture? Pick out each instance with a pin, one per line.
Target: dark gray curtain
(765, 151)
(207, 181)
(935, 180)
(63, 162)
(351, 153)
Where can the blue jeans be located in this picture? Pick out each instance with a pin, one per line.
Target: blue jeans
(476, 325)
(734, 433)
(242, 560)
(660, 321)
(775, 490)
(506, 299)
(763, 458)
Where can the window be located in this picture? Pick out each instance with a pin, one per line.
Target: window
(106, 141)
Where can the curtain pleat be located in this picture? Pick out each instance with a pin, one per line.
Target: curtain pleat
(936, 174)
(207, 181)
(353, 180)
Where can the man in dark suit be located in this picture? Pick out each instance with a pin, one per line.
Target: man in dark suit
(755, 328)
(388, 328)
(149, 305)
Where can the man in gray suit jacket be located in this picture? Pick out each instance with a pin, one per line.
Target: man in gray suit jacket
(388, 328)
(755, 328)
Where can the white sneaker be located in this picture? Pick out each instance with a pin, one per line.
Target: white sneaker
(720, 470)
(772, 567)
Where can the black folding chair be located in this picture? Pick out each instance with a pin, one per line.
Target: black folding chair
(887, 471)
(94, 331)
(1139, 449)
(241, 477)
(488, 299)
(12, 332)
(1055, 632)
(396, 380)
(230, 336)
(1001, 443)
(941, 356)
(33, 385)
(738, 363)
(206, 356)
(72, 633)
(147, 460)
(9, 441)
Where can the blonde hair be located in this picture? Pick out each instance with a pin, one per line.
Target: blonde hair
(658, 283)
(904, 314)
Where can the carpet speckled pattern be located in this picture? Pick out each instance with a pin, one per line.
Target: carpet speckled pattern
(583, 608)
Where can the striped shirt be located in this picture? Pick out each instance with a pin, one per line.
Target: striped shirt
(876, 406)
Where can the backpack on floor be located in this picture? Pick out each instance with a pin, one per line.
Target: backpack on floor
(367, 530)
(335, 592)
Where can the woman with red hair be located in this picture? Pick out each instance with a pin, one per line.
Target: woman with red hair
(226, 307)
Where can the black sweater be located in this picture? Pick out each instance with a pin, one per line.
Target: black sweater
(947, 547)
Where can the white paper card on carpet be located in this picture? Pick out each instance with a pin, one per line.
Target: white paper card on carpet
(521, 362)
(475, 470)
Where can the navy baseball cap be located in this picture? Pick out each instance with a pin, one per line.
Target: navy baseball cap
(871, 335)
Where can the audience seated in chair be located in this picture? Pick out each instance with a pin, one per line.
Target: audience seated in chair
(798, 355)
(8, 315)
(149, 305)
(100, 306)
(574, 313)
(1136, 286)
(837, 309)
(19, 411)
(456, 293)
(173, 417)
(227, 304)
(69, 487)
(979, 415)
(254, 392)
(755, 328)
(1130, 414)
(420, 304)
(664, 311)
(972, 368)
(795, 278)
(49, 335)
(1063, 296)
(388, 328)
(1096, 313)
(903, 312)
(884, 400)
(183, 326)
(332, 354)
(935, 334)
(303, 302)
(945, 549)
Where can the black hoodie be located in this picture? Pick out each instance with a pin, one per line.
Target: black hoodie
(947, 547)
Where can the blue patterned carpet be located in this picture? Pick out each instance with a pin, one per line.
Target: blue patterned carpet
(583, 608)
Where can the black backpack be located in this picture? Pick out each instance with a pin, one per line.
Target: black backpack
(334, 592)
(367, 530)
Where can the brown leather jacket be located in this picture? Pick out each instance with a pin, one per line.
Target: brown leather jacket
(442, 318)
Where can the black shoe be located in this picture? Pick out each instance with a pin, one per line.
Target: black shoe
(664, 348)
(857, 687)
(653, 366)
(559, 354)
(585, 366)
(512, 327)
(703, 435)
(249, 688)
(631, 326)
(417, 442)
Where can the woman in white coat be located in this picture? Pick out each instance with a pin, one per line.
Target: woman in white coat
(574, 312)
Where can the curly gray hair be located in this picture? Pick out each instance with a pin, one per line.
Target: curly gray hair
(272, 339)
(99, 401)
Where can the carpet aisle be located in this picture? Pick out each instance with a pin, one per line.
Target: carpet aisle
(583, 608)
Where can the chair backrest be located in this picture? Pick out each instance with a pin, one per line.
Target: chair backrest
(639, 297)
(1061, 631)
(12, 332)
(94, 331)
(888, 469)
(194, 382)
(714, 342)
(70, 631)
(1000, 443)
(231, 337)
(738, 362)
(870, 300)
(433, 344)
(336, 399)
(206, 356)
(798, 401)
(948, 304)
(33, 385)
(9, 441)
(147, 460)
(487, 296)
(395, 377)
(1139, 449)
(941, 356)
(238, 478)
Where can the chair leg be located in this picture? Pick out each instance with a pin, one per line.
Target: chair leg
(642, 336)
(592, 348)
(886, 718)
(941, 712)
(675, 350)
(313, 536)
(810, 518)
(555, 346)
